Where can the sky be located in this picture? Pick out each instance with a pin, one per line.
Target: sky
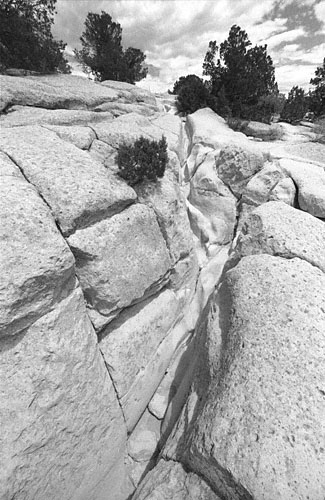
(174, 34)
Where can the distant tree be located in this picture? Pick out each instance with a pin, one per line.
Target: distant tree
(295, 106)
(26, 41)
(245, 74)
(317, 96)
(103, 53)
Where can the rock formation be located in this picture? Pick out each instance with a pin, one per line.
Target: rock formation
(166, 340)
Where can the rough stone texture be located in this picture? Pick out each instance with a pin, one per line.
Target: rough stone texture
(236, 166)
(62, 430)
(285, 190)
(82, 137)
(105, 154)
(310, 182)
(278, 229)
(131, 93)
(36, 265)
(215, 201)
(78, 189)
(169, 481)
(261, 431)
(209, 129)
(196, 157)
(53, 91)
(19, 116)
(130, 341)
(264, 131)
(119, 261)
(258, 189)
(165, 198)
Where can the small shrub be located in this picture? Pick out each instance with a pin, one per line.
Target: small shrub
(143, 160)
(320, 131)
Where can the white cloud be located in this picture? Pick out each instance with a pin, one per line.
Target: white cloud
(320, 11)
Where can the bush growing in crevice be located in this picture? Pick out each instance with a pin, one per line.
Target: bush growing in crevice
(145, 159)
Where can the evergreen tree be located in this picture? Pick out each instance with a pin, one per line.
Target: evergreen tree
(246, 74)
(295, 106)
(26, 41)
(103, 53)
(317, 96)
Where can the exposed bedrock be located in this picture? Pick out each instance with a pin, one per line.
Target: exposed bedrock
(164, 341)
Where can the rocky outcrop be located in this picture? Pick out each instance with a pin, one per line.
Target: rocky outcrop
(162, 341)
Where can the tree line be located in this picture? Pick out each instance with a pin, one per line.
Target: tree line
(26, 42)
(241, 83)
(240, 79)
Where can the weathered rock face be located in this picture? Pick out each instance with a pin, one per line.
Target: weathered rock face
(206, 298)
(120, 261)
(58, 409)
(169, 481)
(259, 434)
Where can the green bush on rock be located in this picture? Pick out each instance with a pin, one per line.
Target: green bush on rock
(145, 159)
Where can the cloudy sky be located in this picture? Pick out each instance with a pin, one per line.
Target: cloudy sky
(174, 34)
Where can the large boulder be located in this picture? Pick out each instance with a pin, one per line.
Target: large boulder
(310, 182)
(62, 429)
(79, 190)
(120, 261)
(261, 431)
(259, 188)
(170, 481)
(53, 91)
(82, 137)
(36, 264)
(237, 165)
(278, 229)
(263, 131)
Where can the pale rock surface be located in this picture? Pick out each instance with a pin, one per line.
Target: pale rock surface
(119, 108)
(144, 387)
(36, 264)
(131, 93)
(170, 481)
(310, 151)
(236, 166)
(62, 430)
(278, 229)
(82, 137)
(196, 157)
(79, 190)
(258, 189)
(215, 201)
(120, 261)
(105, 154)
(129, 342)
(19, 116)
(262, 427)
(264, 131)
(285, 190)
(165, 198)
(209, 129)
(310, 182)
(53, 91)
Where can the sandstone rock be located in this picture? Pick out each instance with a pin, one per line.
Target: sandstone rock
(310, 182)
(78, 190)
(62, 430)
(209, 129)
(144, 387)
(285, 190)
(278, 229)
(19, 116)
(120, 261)
(37, 267)
(261, 430)
(82, 137)
(236, 166)
(264, 131)
(215, 201)
(105, 154)
(8, 167)
(129, 342)
(54, 91)
(165, 198)
(258, 189)
(170, 481)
